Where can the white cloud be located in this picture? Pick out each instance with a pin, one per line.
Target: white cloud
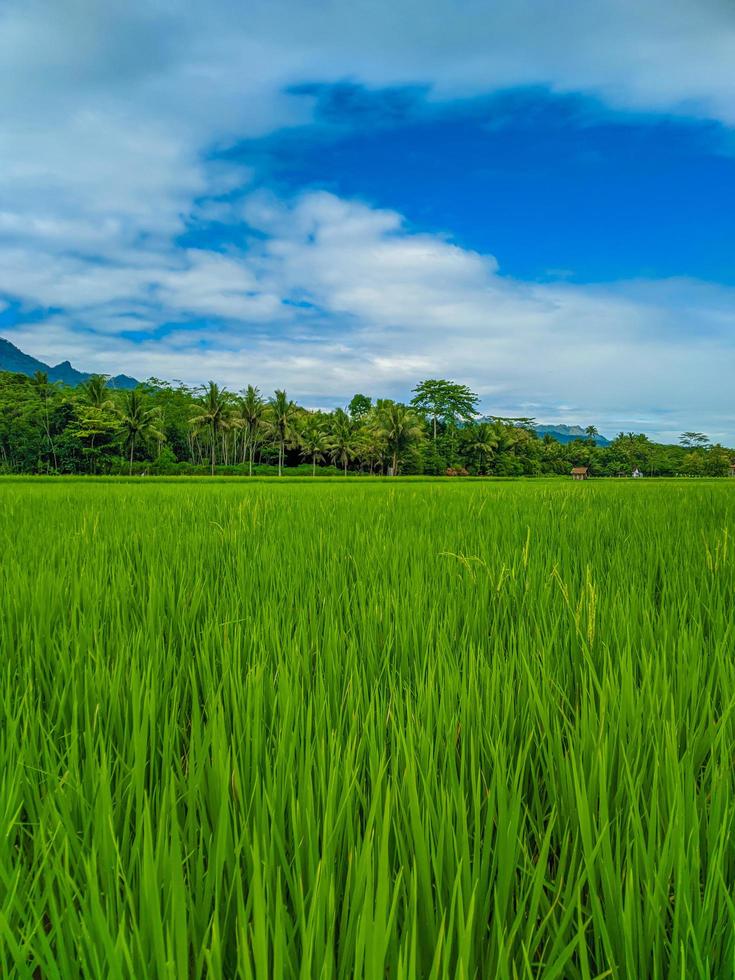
(109, 113)
(342, 297)
(106, 109)
(216, 285)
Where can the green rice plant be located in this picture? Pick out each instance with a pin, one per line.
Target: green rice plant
(401, 729)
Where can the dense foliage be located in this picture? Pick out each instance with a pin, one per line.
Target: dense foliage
(348, 729)
(160, 428)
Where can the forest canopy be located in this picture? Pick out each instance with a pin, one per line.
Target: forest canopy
(166, 428)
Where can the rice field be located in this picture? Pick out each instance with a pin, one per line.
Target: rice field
(367, 729)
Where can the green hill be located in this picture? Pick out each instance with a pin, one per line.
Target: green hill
(15, 360)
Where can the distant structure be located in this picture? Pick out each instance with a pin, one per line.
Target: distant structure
(732, 469)
(580, 473)
(637, 474)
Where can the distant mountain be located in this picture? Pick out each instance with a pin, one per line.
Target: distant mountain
(568, 433)
(13, 359)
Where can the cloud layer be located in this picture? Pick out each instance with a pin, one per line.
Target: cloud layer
(110, 119)
(337, 296)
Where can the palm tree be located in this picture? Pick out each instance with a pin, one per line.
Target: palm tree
(137, 423)
(342, 438)
(483, 442)
(45, 389)
(212, 413)
(159, 422)
(400, 427)
(94, 391)
(505, 435)
(282, 422)
(591, 432)
(371, 446)
(251, 411)
(313, 441)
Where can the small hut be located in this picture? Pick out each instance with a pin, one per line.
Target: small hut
(732, 469)
(580, 473)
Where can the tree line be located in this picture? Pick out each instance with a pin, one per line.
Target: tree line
(166, 428)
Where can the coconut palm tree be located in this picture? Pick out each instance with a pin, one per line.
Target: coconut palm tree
(400, 428)
(94, 391)
(483, 441)
(371, 446)
(591, 432)
(213, 413)
(251, 413)
(506, 436)
(95, 394)
(137, 423)
(282, 423)
(343, 442)
(313, 441)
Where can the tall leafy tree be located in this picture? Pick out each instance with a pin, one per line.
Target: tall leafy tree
(694, 440)
(95, 429)
(693, 464)
(717, 461)
(444, 401)
(359, 407)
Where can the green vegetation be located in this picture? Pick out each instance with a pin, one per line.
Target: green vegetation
(162, 429)
(366, 728)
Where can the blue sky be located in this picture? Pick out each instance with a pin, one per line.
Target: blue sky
(532, 199)
(525, 174)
